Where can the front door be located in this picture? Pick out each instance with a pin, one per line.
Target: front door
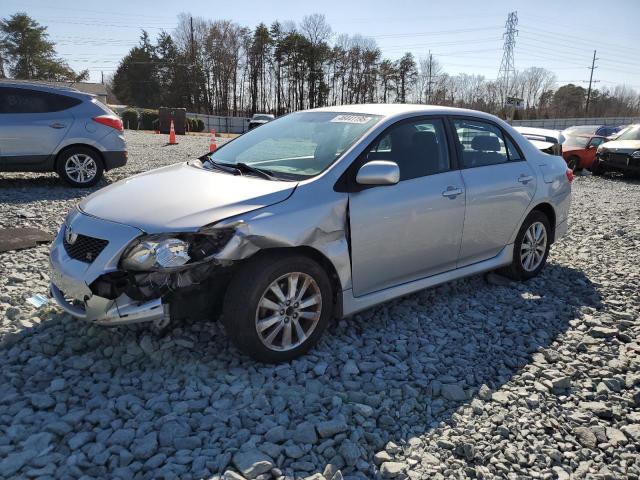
(32, 124)
(413, 229)
(499, 184)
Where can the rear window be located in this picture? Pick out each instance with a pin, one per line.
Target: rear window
(22, 100)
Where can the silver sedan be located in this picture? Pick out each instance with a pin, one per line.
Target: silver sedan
(316, 215)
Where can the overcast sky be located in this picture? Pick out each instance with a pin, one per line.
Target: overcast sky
(464, 36)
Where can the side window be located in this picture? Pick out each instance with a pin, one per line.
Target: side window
(481, 142)
(21, 100)
(418, 147)
(514, 155)
(596, 141)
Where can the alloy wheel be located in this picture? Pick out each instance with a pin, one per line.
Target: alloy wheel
(533, 247)
(288, 311)
(80, 168)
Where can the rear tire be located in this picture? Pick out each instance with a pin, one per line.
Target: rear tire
(264, 312)
(530, 251)
(80, 167)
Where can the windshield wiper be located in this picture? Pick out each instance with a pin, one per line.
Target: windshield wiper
(225, 167)
(238, 168)
(256, 171)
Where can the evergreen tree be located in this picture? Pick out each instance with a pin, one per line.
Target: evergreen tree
(29, 55)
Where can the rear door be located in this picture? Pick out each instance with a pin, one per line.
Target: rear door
(413, 229)
(32, 125)
(499, 184)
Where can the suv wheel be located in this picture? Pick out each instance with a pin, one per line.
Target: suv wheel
(80, 167)
(531, 248)
(276, 307)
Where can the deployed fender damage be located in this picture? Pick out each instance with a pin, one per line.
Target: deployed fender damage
(197, 290)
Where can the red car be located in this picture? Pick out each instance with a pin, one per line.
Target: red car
(579, 151)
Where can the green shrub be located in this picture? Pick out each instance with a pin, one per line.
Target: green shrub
(200, 125)
(130, 119)
(148, 117)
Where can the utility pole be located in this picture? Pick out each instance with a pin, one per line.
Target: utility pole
(101, 77)
(592, 68)
(430, 76)
(193, 65)
(507, 65)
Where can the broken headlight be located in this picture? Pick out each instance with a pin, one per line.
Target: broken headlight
(171, 252)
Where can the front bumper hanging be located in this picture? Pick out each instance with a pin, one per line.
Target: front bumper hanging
(120, 311)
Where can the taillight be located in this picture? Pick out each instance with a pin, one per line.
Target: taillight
(569, 175)
(110, 121)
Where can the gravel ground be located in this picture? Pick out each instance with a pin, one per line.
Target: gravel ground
(478, 378)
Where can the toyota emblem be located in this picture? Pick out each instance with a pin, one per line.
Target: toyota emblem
(70, 236)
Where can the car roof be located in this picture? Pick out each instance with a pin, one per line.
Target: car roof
(539, 131)
(395, 109)
(45, 87)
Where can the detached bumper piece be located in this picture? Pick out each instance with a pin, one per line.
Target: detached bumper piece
(120, 311)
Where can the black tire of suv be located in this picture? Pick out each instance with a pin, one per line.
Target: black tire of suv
(245, 291)
(515, 271)
(64, 156)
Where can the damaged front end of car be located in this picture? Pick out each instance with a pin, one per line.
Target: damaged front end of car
(147, 278)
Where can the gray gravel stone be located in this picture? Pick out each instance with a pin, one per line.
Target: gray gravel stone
(332, 427)
(475, 378)
(252, 463)
(453, 392)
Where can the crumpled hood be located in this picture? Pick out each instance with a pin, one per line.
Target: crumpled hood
(622, 146)
(182, 197)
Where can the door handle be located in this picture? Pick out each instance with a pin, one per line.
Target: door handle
(525, 178)
(452, 192)
(57, 125)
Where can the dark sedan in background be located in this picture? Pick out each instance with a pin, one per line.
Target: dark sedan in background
(620, 155)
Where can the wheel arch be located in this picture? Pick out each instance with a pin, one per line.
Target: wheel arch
(548, 210)
(56, 163)
(320, 259)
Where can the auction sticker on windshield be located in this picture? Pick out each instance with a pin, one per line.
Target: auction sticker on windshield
(351, 119)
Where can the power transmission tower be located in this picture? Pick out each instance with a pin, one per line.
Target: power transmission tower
(507, 66)
(591, 80)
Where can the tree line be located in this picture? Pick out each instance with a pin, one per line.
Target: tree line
(220, 67)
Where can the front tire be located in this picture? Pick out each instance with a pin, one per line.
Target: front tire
(277, 306)
(80, 167)
(596, 168)
(531, 248)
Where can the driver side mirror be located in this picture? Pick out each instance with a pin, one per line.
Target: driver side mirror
(378, 172)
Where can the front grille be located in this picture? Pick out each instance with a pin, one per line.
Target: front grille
(619, 159)
(85, 249)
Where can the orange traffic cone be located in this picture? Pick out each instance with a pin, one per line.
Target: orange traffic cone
(212, 142)
(172, 135)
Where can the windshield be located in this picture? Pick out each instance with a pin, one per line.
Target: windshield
(584, 129)
(262, 117)
(576, 141)
(297, 146)
(632, 133)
